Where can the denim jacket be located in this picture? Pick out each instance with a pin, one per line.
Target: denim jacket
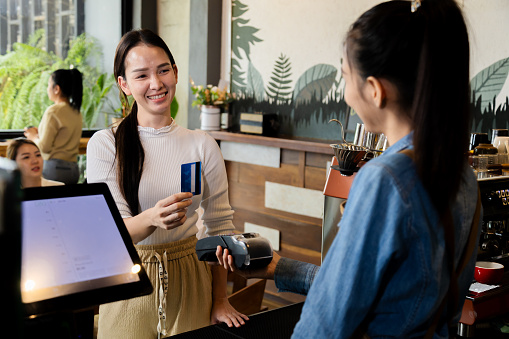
(386, 270)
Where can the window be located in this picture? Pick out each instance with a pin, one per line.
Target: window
(62, 20)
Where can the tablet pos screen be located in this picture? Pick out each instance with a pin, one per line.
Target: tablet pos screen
(76, 251)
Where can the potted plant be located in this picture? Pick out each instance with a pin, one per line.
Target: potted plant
(210, 99)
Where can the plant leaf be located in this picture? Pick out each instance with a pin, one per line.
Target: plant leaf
(316, 81)
(255, 83)
(489, 82)
(174, 107)
(277, 88)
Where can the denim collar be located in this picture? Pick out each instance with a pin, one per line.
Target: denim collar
(401, 144)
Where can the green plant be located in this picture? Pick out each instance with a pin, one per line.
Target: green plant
(24, 74)
(94, 98)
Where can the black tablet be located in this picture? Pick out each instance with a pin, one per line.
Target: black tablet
(76, 250)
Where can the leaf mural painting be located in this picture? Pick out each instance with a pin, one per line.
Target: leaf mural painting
(315, 82)
(279, 86)
(255, 85)
(238, 76)
(244, 35)
(489, 82)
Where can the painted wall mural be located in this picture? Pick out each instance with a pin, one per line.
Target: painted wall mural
(292, 67)
(486, 87)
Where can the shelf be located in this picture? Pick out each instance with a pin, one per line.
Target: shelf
(285, 143)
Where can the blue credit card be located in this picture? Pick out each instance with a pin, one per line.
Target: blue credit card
(191, 178)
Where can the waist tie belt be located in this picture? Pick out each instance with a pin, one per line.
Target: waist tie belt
(163, 291)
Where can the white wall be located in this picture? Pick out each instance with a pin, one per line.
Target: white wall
(103, 22)
(173, 22)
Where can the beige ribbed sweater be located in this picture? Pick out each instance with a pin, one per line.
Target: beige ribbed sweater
(165, 150)
(60, 133)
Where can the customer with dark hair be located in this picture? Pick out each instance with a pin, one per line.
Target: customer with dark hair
(140, 160)
(29, 160)
(59, 132)
(403, 259)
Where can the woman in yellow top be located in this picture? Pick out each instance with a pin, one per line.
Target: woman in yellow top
(59, 132)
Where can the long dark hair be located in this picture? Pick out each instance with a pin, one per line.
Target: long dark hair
(130, 153)
(425, 53)
(71, 84)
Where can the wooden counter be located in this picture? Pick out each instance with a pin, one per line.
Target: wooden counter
(302, 170)
(289, 144)
(82, 150)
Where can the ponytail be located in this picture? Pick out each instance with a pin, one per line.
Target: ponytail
(130, 158)
(440, 107)
(71, 85)
(76, 96)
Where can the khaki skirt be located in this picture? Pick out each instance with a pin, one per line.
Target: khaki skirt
(181, 300)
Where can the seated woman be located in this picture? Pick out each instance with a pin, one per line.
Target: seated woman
(29, 159)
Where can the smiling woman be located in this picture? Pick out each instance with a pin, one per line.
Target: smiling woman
(151, 78)
(142, 161)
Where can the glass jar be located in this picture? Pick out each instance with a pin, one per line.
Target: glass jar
(485, 149)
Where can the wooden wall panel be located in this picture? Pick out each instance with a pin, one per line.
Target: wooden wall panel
(252, 198)
(258, 175)
(300, 236)
(296, 235)
(289, 156)
(315, 178)
(318, 160)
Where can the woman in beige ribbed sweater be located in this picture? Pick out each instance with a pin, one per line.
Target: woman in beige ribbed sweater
(140, 160)
(59, 132)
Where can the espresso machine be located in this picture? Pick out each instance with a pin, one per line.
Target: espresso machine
(494, 240)
(493, 246)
